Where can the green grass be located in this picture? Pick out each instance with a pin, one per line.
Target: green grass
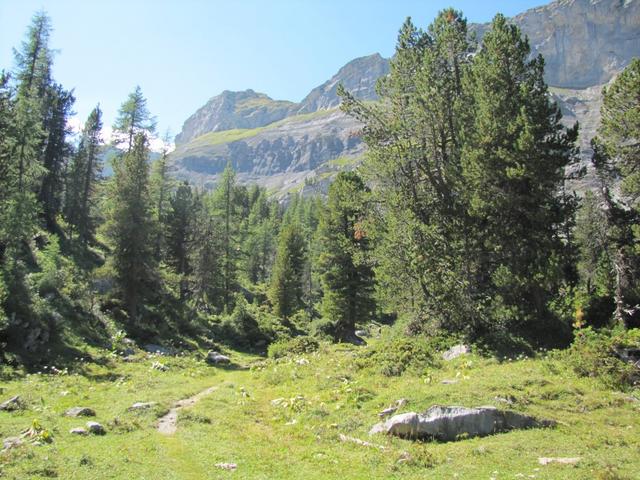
(299, 439)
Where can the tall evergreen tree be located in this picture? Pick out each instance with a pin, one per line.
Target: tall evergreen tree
(347, 274)
(286, 292)
(133, 118)
(130, 227)
(514, 159)
(82, 178)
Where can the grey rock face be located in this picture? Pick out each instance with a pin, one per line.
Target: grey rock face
(450, 423)
(299, 143)
(80, 412)
(231, 110)
(359, 77)
(14, 403)
(78, 431)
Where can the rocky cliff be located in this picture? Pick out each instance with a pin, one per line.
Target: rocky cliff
(231, 110)
(288, 146)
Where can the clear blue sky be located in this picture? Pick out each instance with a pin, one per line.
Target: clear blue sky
(183, 52)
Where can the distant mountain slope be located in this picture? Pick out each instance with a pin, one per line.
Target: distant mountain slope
(231, 110)
(359, 77)
(585, 44)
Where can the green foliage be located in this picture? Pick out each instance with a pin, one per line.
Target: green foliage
(594, 354)
(286, 292)
(347, 273)
(396, 355)
(299, 345)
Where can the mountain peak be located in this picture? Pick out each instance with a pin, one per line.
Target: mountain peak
(359, 77)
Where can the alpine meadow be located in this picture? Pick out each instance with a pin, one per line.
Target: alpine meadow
(429, 267)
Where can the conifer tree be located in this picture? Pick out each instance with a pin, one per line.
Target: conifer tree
(82, 178)
(286, 292)
(133, 118)
(347, 275)
(130, 227)
(514, 159)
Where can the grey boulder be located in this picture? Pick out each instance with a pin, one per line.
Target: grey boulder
(95, 428)
(216, 358)
(14, 403)
(455, 352)
(452, 423)
(80, 412)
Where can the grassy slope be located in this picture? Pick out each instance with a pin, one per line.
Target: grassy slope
(238, 423)
(200, 144)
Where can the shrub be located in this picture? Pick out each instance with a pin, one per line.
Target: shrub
(392, 357)
(293, 346)
(594, 354)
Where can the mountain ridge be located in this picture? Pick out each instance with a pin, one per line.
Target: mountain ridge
(560, 31)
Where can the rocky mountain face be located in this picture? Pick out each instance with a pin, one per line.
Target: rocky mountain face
(358, 76)
(299, 147)
(231, 110)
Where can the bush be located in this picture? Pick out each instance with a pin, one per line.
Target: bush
(293, 346)
(323, 329)
(392, 357)
(594, 354)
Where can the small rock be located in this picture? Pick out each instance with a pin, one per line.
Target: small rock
(455, 352)
(96, 428)
(216, 358)
(302, 361)
(362, 333)
(78, 431)
(11, 442)
(158, 349)
(449, 381)
(227, 466)
(387, 411)
(14, 403)
(509, 400)
(142, 405)
(159, 366)
(560, 460)
(80, 412)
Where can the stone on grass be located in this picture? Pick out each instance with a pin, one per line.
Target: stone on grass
(11, 442)
(455, 352)
(96, 428)
(453, 423)
(78, 431)
(560, 460)
(158, 349)
(142, 405)
(159, 366)
(449, 381)
(393, 408)
(227, 466)
(14, 403)
(216, 358)
(80, 412)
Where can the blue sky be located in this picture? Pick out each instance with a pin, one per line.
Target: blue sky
(183, 52)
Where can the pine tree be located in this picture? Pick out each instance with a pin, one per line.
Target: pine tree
(225, 207)
(617, 157)
(58, 103)
(179, 225)
(130, 227)
(514, 159)
(286, 292)
(414, 139)
(133, 118)
(82, 178)
(347, 275)
(161, 186)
